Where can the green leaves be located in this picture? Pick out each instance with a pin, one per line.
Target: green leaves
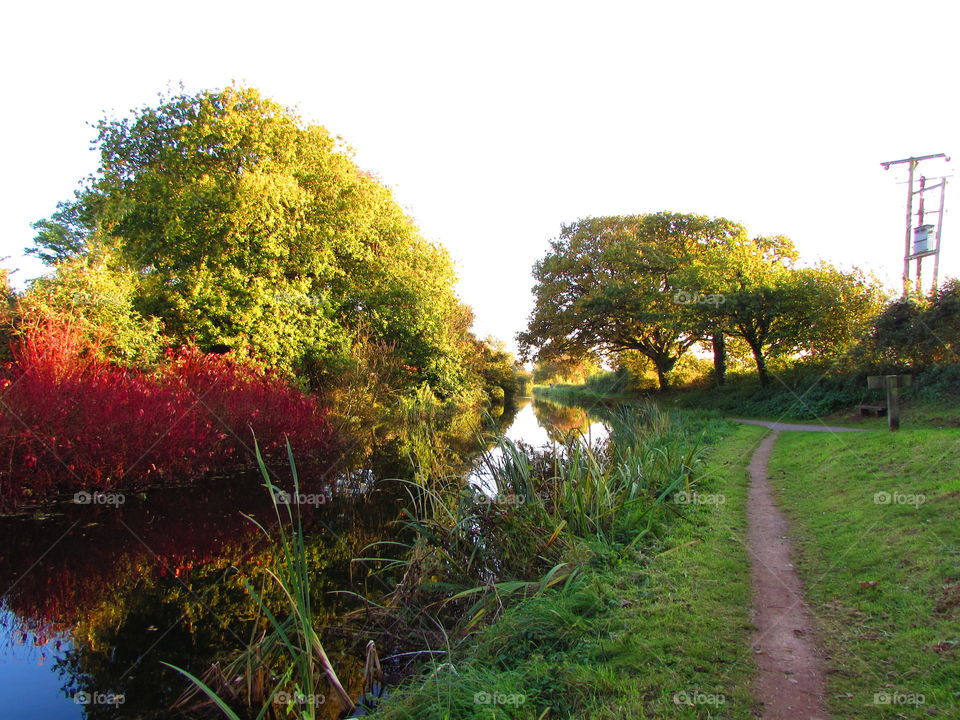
(659, 284)
(239, 225)
(609, 284)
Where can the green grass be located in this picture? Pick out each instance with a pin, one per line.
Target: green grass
(929, 403)
(579, 394)
(628, 633)
(883, 580)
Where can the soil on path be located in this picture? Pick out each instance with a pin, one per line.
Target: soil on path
(790, 685)
(778, 426)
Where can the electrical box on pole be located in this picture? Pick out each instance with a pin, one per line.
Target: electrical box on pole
(921, 239)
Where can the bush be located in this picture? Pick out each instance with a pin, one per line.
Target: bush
(70, 421)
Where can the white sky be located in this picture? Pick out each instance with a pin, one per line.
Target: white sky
(496, 122)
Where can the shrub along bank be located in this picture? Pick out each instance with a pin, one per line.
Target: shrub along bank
(70, 422)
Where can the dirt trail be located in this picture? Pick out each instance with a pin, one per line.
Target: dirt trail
(790, 684)
(778, 426)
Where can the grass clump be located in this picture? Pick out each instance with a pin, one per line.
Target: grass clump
(655, 614)
(285, 671)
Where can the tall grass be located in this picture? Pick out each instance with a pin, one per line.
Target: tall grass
(541, 538)
(609, 490)
(285, 668)
(524, 532)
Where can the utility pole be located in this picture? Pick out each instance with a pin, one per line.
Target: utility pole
(936, 258)
(923, 186)
(920, 249)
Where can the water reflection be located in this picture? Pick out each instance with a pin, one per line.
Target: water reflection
(105, 593)
(96, 596)
(561, 422)
(541, 423)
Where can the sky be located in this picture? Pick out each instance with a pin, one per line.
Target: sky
(497, 122)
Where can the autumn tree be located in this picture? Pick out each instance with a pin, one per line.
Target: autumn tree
(246, 228)
(779, 309)
(610, 284)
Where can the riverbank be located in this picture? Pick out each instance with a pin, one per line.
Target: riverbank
(660, 632)
(932, 405)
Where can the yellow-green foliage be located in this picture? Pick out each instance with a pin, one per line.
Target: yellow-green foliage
(242, 227)
(690, 368)
(99, 302)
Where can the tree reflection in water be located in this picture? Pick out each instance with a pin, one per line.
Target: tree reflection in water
(105, 592)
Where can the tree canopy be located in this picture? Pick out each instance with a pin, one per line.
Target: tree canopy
(617, 283)
(244, 228)
(659, 284)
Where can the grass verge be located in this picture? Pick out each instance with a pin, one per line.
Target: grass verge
(920, 407)
(875, 518)
(662, 634)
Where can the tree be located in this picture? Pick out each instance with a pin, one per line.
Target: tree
(780, 310)
(246, 228)
(914, 332)
(503, 378)
(565, 369)
(620, 283)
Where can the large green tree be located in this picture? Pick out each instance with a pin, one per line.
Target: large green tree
(610, 284)
(779, 309)
(246, 228)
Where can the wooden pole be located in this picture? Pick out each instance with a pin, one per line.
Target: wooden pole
(936, 256)
(913, 162)
(923, 186)
(906, 244)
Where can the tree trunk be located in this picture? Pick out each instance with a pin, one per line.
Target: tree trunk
(761, 362)
(719, 358)
(662, 378)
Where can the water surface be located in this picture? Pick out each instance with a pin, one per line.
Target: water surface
(96, 596)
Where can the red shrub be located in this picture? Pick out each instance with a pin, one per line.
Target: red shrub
(71, 422)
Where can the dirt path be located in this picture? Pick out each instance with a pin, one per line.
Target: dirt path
(790, 684)
(778, 426)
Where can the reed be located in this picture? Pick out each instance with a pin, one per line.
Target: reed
(284, 669)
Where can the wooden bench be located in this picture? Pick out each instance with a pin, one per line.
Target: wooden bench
(875, 410)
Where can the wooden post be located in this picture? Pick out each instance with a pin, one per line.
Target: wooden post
(893, 403)
(892, 383)
(923, 186)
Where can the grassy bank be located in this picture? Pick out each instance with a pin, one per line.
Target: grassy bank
(798, 394)
(657, 632)
(876, 523)
(605, 389)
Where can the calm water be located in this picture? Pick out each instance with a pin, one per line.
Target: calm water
(96, 596)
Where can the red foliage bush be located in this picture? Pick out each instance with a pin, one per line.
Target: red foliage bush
(69, 421)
